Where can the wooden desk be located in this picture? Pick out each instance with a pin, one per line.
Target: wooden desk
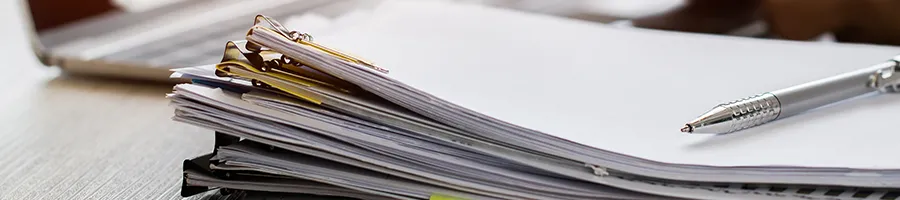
(79, 138)
(70, 138)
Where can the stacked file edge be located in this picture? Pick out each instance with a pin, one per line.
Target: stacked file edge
(264, 135)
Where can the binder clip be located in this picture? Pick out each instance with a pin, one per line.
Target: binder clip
(303, 39)
(267, 70)
(887, 80)
(274, 71)
(237, 54)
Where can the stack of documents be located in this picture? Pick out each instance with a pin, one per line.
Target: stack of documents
(470, 102)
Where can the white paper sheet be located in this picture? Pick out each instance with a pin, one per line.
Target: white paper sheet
(626, 90)
(687, 190)
(373, 145)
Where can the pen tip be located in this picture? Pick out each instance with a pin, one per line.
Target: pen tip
(687, 128)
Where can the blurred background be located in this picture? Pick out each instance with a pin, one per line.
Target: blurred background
(594, 10)
(142, 39)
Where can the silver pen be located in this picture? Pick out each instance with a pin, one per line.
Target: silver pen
(763, 108)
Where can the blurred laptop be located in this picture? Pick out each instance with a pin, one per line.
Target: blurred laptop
(146, 44)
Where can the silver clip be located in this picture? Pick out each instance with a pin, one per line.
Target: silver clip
(275, 26)
(887, 79)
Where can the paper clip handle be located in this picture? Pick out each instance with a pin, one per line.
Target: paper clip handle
(306, 39)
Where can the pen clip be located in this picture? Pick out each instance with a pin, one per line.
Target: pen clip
(887, 79)
(306, 39)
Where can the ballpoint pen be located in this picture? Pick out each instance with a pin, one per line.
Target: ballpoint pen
(766, 107)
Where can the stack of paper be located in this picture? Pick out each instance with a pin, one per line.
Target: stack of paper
(479, 103)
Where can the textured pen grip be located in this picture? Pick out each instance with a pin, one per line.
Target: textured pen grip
(753, 111)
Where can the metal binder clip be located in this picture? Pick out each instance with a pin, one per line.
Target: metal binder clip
(273, 64)
(293, 35)
(887, 79)
(306, 39)
(275, 24)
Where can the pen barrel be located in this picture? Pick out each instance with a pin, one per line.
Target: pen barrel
(826, 91)
(756, 110)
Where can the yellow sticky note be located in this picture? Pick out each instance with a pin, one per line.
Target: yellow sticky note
(444, 197)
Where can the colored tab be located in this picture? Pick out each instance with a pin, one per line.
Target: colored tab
(444, 197)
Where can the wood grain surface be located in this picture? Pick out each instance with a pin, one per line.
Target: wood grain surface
(67, 137)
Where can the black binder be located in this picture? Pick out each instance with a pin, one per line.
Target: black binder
(202, 164)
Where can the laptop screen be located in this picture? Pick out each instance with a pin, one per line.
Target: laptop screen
(48, 14)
